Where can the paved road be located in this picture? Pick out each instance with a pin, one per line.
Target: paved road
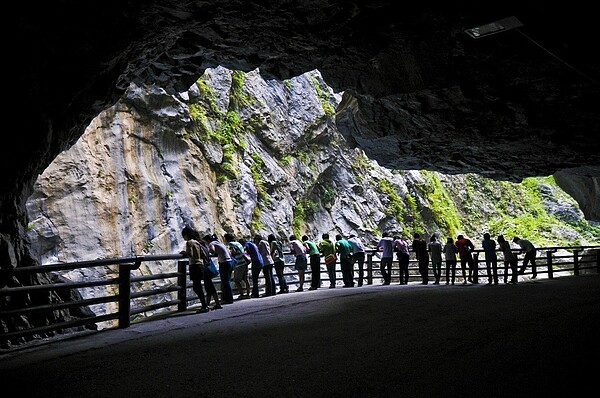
(532, 339)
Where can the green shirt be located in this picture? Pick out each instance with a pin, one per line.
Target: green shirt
(311, 247)
(344, 248)
(326, 247)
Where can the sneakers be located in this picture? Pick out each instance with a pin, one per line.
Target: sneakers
(243, 297)
(202, 310)
(312, 288)
(216, 307)
(300, 289)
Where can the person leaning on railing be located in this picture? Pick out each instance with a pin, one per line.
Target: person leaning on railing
(530, 254)
(279, 261)
(301, 263)
(225, 266)
(199, 260)
(358, 256)
(510, 259)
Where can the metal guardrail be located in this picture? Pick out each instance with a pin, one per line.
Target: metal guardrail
(174, 295)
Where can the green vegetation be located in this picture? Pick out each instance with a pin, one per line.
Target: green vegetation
(415, 221)
(256, 170)
(208, 95)
(323, 98)
(303, 156)
(256, 223)
(445, 213)
(473, 204)
(303, 209)
(394, 207)
(285, 160)
(231, 131)
(237, 97)
(529, 216)
(327, 196)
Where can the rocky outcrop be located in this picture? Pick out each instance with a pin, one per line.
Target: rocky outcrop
(583, 184)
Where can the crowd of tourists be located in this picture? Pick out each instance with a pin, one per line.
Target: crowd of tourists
(241, 262)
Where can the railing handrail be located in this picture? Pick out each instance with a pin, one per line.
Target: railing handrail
(125, 281)
(58, 266)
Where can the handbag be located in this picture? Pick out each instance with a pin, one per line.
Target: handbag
(330, 259)
(212, 270)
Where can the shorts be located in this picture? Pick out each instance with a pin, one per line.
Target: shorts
(301, 263)
(239, 273)
(196, 272)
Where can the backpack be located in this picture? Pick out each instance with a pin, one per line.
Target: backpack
(240, 257)
(277, 253)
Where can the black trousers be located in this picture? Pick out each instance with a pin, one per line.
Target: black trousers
(403, 261)
(359, 258)
(315, 270)
(386, 269)
(279, 268)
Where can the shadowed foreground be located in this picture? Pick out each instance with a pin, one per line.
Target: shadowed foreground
(531, 339)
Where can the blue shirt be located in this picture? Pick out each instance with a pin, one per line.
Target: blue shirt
(387, 244)
(254, 254)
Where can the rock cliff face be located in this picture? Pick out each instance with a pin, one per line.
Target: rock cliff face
(240, 154)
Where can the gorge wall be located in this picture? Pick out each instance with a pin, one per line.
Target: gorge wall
(408, 69)
(237, 153)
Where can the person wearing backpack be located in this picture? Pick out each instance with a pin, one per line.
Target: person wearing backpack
(198, 262)
(225, 266)
(265, 251)
(240, 267)
(279, 262)
(256, 266)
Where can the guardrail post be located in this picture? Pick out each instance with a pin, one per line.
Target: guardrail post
(549, 261)
(124, 296)
(476, 271)
(369, 268)
(576, 262)
(182, 284)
